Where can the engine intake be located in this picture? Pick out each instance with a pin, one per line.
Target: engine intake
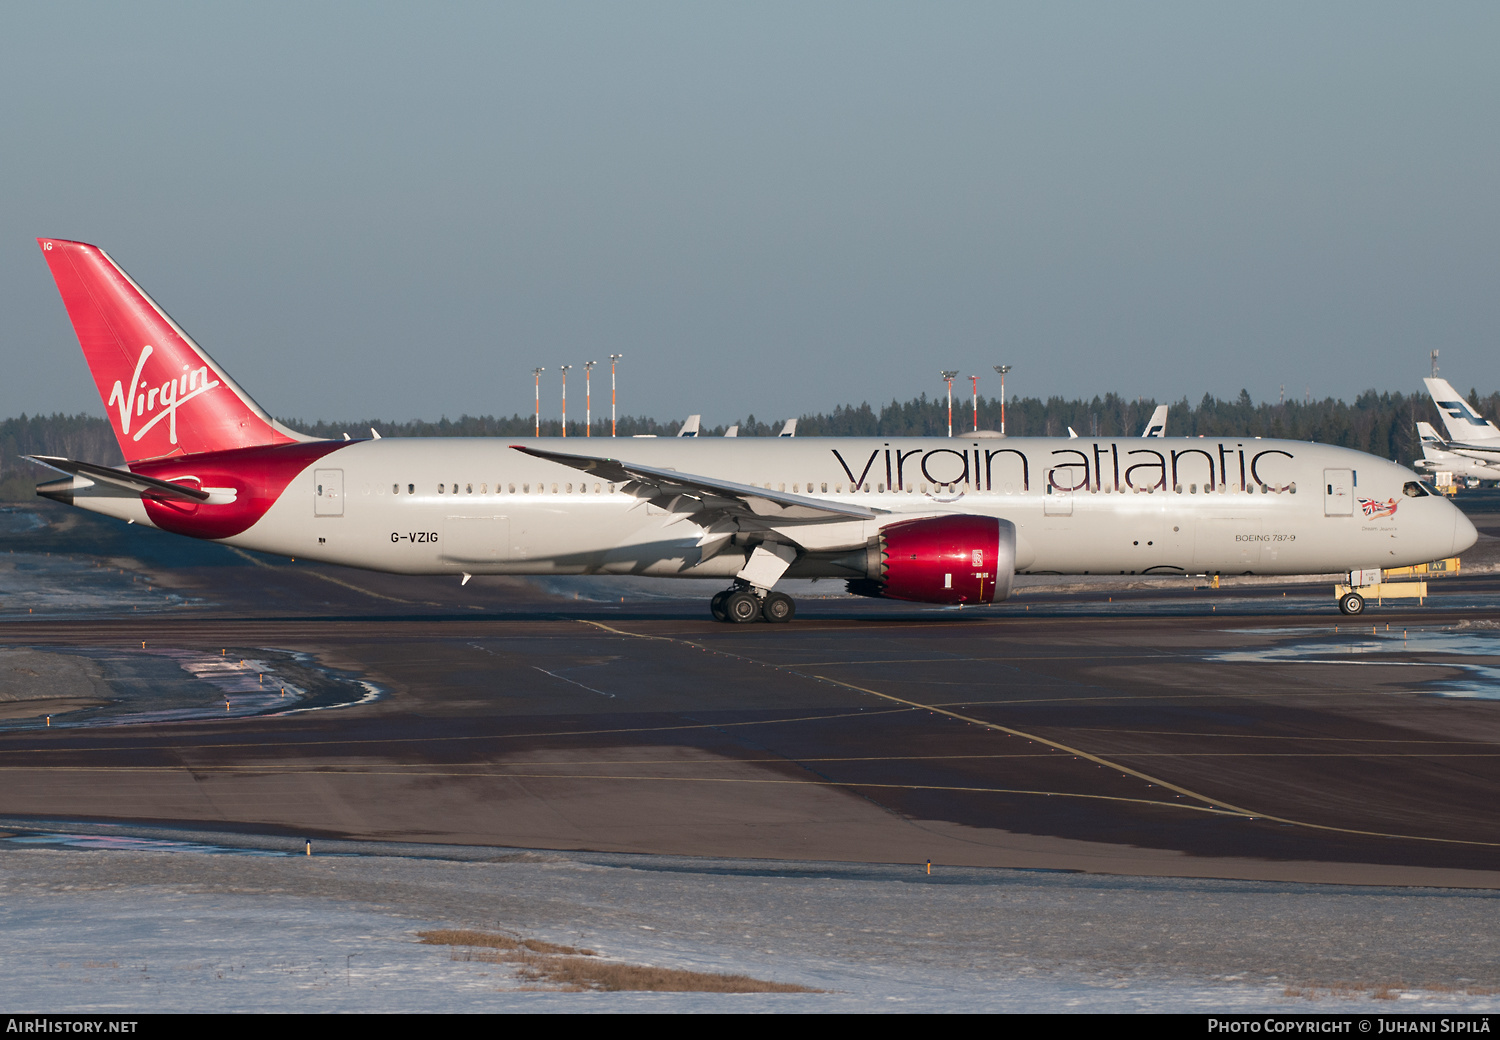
(944, 559)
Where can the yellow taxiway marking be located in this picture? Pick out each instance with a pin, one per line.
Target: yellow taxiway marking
(1079, 752)
(243, 772)
(1214, 803)
(1272, 736)
(325, 577)
(283, 746)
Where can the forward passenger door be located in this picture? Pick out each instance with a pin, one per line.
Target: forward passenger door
(1338, 492)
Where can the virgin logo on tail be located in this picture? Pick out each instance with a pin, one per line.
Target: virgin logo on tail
(159, 402)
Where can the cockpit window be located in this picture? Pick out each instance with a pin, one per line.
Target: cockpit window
(1415, 489)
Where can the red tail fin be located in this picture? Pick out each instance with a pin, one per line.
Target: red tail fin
(163, 394)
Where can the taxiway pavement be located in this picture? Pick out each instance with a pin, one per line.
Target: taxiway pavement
(1247, 732)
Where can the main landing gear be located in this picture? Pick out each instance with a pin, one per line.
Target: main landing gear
(745, 603)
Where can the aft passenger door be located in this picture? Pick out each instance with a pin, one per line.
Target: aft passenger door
(330, 492)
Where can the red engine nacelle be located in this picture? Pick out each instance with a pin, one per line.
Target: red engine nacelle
(945, 559)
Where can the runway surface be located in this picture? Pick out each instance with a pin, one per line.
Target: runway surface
(1246, 732)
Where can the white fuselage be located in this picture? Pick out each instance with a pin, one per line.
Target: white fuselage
(1084, 506)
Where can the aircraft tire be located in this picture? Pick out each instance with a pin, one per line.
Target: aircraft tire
(1351, 603)
(716, 605)
(779, 608)
(742, 607)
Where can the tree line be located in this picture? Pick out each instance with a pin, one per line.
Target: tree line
(1381, 424)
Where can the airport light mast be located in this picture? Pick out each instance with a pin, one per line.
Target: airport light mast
(538, 373)
(588, 399)
(975, 380)
(1002, 369)
(614, 359)
(564, 370)
(948, 375)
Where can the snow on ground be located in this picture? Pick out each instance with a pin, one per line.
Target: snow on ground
(115, 923)
(47, 586)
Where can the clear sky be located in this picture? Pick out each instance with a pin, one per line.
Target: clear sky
(401, 210)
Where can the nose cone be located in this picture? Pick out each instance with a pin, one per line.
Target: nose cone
(1464, 534)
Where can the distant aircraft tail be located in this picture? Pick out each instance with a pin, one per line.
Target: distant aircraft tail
(163, 394)
(1463, 423)
(1428, 435)
(1157, 426)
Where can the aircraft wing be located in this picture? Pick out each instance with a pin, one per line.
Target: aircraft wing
(1485, 452)
(121, 478)
(718, 497)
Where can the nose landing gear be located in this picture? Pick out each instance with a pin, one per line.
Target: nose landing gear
(744, 604)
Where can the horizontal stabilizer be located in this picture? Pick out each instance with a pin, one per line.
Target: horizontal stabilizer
(121, 478)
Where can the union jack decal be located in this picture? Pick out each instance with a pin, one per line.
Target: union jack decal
(1375, 509)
